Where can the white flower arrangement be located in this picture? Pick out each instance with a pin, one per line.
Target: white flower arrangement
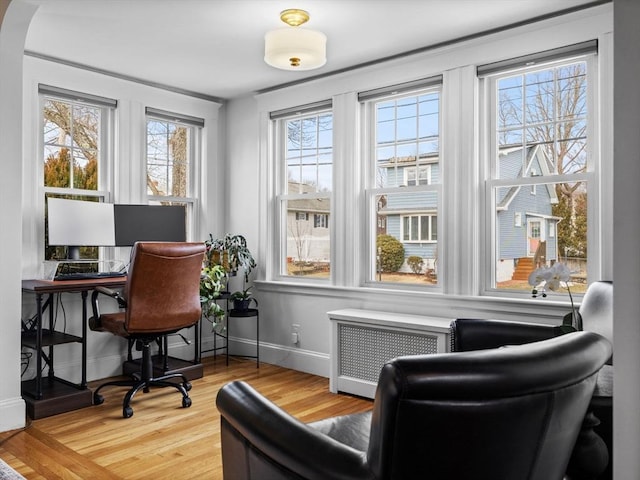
(553, 278)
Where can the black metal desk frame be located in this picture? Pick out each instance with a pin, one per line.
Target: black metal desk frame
(58, 395)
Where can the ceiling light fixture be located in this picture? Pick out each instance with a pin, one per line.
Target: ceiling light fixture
(295, 48)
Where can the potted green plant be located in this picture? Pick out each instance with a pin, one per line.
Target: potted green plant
(232, 253)
(242, 299)
(212, 283)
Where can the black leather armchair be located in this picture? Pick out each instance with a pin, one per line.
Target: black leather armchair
(591, 458)
(596, 311)
(447, 416)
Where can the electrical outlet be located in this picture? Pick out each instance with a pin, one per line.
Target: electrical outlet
(295, 333)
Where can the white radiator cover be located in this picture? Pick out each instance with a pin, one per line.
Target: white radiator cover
(363, 340)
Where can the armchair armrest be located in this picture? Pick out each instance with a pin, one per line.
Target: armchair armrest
(258, 433)
(476, 334)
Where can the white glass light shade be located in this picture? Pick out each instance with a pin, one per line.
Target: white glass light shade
(295, 48)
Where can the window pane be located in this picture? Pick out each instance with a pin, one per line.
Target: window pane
(309, 167)
(554, 102)
(71, 156)
(308, 237)
(400, 236)
(407, 155)
(553, 228)
(309, 155)
(415, 229)
(167, 158)
(71, 144)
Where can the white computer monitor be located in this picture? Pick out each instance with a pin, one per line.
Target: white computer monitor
(77, 223)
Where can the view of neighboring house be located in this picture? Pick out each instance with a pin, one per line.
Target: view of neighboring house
(308, 227)
(412, 218)
(526, 228)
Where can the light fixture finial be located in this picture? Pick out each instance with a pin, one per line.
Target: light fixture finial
(294, 17)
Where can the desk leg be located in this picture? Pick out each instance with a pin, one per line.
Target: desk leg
(83, 381)
(39, 347)
(49, 359)
(196, 355)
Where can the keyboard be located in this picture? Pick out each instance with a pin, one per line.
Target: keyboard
(88, 275)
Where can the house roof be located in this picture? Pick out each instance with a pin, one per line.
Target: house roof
(513, 156)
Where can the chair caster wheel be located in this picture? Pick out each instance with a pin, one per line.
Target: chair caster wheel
(186, 402)
(127, 412)
(98, 399)
(187, 386)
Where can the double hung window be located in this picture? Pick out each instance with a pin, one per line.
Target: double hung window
(403, 188)
(77, 151)
(305, 183)
(542, 168)
(173, 153)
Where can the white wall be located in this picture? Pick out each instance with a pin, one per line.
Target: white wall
(252, 165)
(626, 332)
(15, 19)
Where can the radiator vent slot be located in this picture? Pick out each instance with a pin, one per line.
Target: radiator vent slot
(364, 350)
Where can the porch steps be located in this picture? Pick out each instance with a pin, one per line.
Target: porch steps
(523, 269)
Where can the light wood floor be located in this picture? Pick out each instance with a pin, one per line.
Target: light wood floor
(162, 440)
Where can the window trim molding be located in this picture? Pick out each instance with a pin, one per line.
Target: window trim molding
(593, 183)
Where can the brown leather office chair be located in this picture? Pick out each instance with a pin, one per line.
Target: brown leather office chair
(161, 296)
(499, 414)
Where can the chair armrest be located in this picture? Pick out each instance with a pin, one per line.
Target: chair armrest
(274, 443)
(469, 334)
(122, 302)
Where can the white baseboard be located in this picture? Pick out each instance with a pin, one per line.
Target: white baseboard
(288, 357)
(12, 414)
(307, 361)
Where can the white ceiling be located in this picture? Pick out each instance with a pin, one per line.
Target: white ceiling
(215, 47)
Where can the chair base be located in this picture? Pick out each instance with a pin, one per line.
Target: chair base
(145, 385)
(144, 380)
(189, 369)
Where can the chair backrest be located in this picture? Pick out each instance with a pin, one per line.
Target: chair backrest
(163, 287)
(499, 414)
(596, 309)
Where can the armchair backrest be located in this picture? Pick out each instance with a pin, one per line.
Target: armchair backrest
(163, 286)
(494, 414)
(596, 309)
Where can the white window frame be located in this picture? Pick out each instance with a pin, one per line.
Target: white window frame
(372, 191)
(590, 177)
(416, 172)
(320, 220)
(278, 123)
(420, 217)
(194, 151)
(105, 151)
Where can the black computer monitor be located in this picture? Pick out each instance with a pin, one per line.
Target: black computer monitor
(159, 223)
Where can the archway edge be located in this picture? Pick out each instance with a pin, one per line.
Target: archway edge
(15, 17)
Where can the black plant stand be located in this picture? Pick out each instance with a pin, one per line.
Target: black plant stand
(237, 314)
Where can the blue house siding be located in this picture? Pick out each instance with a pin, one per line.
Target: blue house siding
(526, 201)
(512, 240)
(413, 202)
